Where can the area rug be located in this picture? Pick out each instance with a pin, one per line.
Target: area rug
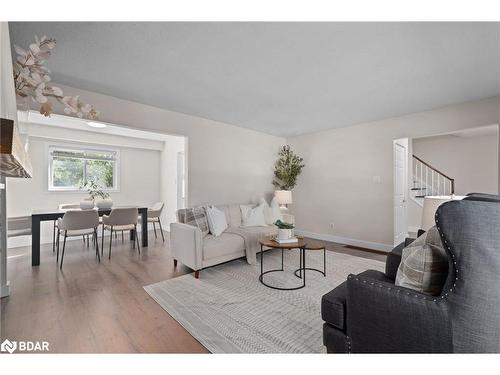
(229, 311)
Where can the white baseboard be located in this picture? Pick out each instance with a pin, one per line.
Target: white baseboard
(346, 241)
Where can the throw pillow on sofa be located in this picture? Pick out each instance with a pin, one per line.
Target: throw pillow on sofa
(197, 217)
(217, 222)
(272, 212)
(252, 216)
(424, 264)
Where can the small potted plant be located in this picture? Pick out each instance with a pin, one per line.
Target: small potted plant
(285, 230)
(96, 194)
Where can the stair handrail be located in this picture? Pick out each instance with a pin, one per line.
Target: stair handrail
(452, 180)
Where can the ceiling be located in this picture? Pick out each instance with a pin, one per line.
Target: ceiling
(279, 78)
(481, 131)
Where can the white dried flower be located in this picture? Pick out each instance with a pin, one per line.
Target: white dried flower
(32, 80)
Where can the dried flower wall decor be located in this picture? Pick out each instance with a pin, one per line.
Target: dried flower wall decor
(32, 80)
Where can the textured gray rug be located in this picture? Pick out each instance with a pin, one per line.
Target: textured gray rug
(229, 311)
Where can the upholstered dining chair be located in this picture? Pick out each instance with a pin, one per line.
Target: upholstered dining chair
(154, 214)
(63, 207)
(77, 223)
(120, 219)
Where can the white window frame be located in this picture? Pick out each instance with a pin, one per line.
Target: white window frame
(70, 147)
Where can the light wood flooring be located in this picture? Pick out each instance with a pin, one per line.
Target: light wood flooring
(89, 307)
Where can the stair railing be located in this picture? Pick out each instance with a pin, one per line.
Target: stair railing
(434, 180)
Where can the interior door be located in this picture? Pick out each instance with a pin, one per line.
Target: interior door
(400, 191)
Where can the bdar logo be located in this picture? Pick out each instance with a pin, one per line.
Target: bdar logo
(8, 346)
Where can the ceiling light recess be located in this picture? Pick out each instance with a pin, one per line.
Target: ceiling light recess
(96, 124)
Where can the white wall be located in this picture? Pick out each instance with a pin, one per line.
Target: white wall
(139, 175)
(226, 164)
(169, 182)
(340, 181)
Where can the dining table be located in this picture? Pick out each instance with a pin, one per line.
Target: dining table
(37, 216)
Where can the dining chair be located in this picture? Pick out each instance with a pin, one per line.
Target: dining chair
(19, 226)
(154, 214)
(63, 207)
(120, 219)
(77, 223)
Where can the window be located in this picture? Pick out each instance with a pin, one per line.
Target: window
(71, 168)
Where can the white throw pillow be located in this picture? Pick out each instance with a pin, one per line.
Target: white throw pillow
(253, 216)
(216, 220)
(271, 213)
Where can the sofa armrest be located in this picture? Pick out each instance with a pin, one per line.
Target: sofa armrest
(385, 318)
(186, 243)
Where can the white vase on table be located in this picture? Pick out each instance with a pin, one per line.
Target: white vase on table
(105, 203)
(285, 234)
(87, 204)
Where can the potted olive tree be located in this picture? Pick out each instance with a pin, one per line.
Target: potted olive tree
(96, 197)
(287, 169)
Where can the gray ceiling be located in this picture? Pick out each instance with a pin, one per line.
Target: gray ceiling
(278, 78)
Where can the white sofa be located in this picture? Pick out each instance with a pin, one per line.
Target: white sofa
(189, 247)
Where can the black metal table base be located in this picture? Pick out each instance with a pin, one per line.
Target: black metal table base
(302, 264)
(312, 269)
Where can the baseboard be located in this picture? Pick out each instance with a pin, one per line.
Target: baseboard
(346, 241)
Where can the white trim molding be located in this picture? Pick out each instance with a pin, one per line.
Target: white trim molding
(346, 241)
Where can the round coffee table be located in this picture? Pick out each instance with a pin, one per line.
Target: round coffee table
(315, 246)
(270, 243)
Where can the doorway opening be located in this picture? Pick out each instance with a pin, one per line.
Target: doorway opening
(444, 164)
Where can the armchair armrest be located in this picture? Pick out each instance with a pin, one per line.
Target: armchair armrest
(386, 318)
(187, 245)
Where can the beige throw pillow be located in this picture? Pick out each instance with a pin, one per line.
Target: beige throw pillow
(424, 264)
(252, 216)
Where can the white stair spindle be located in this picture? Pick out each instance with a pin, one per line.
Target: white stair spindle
(432, 182)
(421, 170)
(426, 180)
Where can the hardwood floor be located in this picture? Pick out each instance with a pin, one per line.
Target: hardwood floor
(89, 307)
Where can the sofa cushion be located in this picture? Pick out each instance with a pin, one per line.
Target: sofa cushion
(424, 264)
(226, 243)
(233, 214)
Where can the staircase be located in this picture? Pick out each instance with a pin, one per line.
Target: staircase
(428, 180)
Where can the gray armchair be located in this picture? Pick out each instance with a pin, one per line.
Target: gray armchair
(369, 314)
